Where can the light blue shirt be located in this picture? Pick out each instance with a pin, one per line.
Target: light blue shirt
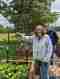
(42, 49)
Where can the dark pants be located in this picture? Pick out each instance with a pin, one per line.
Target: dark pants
(51, 62)
(52, 77)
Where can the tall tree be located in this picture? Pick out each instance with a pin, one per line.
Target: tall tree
(7, 9)
(24, 13)
(32, 11)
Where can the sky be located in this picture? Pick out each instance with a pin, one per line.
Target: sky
(3, 21)
(7, 1)
(55, 7)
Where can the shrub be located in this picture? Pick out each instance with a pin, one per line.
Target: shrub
(13, 71)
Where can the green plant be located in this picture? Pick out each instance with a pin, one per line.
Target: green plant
(13, 71)
(22, 71)
(8, 71)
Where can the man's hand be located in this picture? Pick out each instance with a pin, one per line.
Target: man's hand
(32, 72)
(32, 69)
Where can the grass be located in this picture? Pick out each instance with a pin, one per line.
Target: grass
(11, 52)
(4, 37)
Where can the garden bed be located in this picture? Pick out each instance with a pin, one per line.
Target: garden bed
(13, 71)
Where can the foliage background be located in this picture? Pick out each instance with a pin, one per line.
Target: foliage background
(13, 71)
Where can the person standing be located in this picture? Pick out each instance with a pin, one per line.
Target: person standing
(42, 51)
(54, 39)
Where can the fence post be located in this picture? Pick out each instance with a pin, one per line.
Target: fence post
(7, 53)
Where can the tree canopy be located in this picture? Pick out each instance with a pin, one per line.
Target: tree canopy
(31, 12)
(24, 13)
(7, 10)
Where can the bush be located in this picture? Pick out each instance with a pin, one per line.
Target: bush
(22, 71)
(13, 71)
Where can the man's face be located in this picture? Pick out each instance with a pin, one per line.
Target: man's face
(39, 30)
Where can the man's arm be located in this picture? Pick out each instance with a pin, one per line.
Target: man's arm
(49, 49)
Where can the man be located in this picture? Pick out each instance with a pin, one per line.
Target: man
(54, 39)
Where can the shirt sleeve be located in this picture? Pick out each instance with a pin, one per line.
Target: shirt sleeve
(49, 48)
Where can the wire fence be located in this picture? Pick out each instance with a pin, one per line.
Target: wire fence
(7, 47)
